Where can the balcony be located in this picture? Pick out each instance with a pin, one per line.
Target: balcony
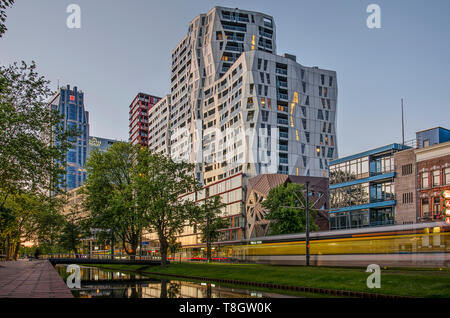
(282, 121)
(283, 147)
(281, 71)
(281, 96)
(282, 84)
(284, 135)
(227, 26)
(232, 48)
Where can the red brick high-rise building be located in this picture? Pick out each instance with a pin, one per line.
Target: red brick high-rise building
(139, 107)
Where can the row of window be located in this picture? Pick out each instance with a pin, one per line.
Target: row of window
(433, 179)
(361, 218)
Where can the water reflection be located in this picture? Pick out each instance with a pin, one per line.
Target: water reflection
(97, 283)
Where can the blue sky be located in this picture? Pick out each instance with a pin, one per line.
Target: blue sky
(124, 47)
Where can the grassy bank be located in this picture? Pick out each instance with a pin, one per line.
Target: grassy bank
(405, 282)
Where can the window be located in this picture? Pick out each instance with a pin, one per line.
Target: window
(259, 63)
(406, 169)
(407, 198)
(425, 207)
(436, 205)
(320, 115)
(436, 177)
(426, 143)
(447, 176)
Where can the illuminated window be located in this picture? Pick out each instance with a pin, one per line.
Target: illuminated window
(297, 171)
(263, 102)
(296, 135)
(295, 97)
(269, 103)
(292, 121)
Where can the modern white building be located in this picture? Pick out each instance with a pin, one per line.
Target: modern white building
(236, 106)
(237, 109)
(158, 129)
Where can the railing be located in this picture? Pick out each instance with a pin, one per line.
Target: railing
(281, 71)
(100, 257)
(284, 135)
(268, 35)
(282, 84)
(232, 48)
(282, 96)
(234, 28)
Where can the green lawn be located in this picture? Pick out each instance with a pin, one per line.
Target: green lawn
(405, 282)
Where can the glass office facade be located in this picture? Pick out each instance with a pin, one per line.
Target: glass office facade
(362, 189)
(70, 104)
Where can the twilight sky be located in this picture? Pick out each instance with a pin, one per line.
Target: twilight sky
(124, 47)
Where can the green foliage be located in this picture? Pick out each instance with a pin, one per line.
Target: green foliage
(70, 237)
(159, 184)
(28, 128)
(110, 197)
(210, 221)
(286, 206)
(32, 141)
(3, 5)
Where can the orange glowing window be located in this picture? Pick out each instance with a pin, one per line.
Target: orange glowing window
(72, 97)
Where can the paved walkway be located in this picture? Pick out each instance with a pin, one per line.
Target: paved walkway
(35, 279)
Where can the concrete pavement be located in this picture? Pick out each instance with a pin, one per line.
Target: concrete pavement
(35, 279)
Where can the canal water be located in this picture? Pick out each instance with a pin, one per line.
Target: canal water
(98, 283)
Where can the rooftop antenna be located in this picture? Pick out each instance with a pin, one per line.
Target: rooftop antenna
(58, 85)
(403, 126)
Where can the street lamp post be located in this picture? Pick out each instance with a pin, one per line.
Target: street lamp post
(307, 220)
(307, 223)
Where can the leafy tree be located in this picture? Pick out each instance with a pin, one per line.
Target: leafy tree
(70, 236)
(210, 222)
(110, 198)
(22, 217)
(3, 5)
(33, 147)
(160, 184)
(33, 143)
(286, 206)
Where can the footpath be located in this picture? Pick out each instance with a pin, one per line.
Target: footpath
(31, 279)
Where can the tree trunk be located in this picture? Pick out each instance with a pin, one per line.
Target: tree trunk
(16, 252)
(8, 247)
(208, 239)
(163, 250)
